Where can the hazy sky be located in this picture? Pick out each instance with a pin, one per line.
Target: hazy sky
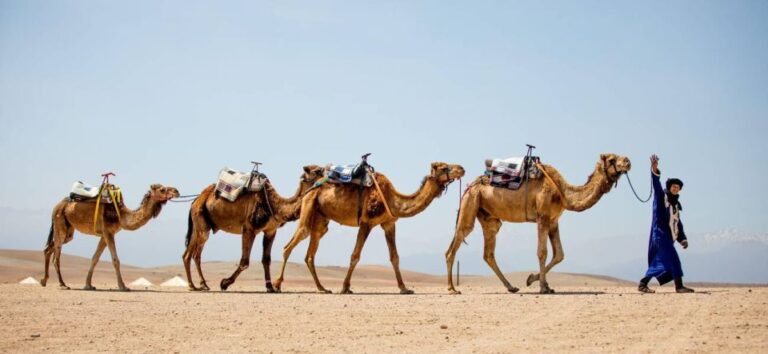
(172, 91)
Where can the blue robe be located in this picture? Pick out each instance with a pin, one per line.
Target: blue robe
(663, 262)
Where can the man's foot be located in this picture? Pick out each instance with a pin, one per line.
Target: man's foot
(684, 290)
(643, 288)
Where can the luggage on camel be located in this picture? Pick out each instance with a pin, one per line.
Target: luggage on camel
(232, 183)
(512, 172)
(81, 191)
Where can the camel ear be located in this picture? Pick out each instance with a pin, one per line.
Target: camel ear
(155, 186)
(307, 169)
(603, 157)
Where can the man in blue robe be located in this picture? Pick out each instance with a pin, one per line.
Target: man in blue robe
(666, 228)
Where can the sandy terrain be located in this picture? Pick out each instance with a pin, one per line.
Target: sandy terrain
(609, 317)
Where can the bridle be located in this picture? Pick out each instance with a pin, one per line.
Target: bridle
(613, 181)
(445, 171)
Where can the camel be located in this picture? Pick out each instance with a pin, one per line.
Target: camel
(339, 202)
(248, 215)
(542, 201)
(69, 216)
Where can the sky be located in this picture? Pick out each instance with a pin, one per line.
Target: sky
(172, 91)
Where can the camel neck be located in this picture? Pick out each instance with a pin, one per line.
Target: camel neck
(410, 205)
(580, 198)
(287, 209)
(134, 219)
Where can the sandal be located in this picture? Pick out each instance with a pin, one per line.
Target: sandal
(645, 289)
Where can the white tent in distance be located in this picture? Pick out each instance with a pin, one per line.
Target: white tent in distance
(175, 281)
(141, 282)
(30, 281)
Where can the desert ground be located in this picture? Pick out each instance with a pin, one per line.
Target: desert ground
(587, 314)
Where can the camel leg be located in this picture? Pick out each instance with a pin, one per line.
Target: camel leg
(464, 225)
(47, 255)
(199, 265)
(266, 258)
(394, 258)
(491, 228)
(543, 228)
(57, 264)
(249, 235)
(302, 231)
(110, 238)
(95, 260)
(557, 253)
(362, 235)
(314, 243)
(60, 233)
(187, 259)
(300, 234)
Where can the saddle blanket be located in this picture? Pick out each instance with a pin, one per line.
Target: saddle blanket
(349, 174)
(232, 183)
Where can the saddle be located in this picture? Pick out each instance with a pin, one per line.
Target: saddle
(349, 174)
(232, 183)
(82, 192)
(511, 173)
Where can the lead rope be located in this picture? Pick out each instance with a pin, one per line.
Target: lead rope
(633, 190)
(184, 198)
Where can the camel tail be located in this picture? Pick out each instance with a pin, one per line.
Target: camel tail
(49, 243)
(189, 229)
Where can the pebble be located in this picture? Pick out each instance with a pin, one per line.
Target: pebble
(443, 327)
(35, 335)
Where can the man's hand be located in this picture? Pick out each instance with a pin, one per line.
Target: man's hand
(655, 164)
(684, 243)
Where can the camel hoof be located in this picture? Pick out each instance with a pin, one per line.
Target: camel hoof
(406, 291)
(546, 291)
(63, 287)
(513, 290)
(43, 281)
(531, 279)
(193, 288)
(454, 292)
(324, 291)
(125, 289)
(89, 287)
(204, 286)
(271, 290)
(346, 291)
(225, 283)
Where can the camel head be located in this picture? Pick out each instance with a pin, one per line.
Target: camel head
(444, 173)
(161, 193)
(614, 166)
(312, 173)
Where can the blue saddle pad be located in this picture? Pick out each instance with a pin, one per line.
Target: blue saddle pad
(341, 173)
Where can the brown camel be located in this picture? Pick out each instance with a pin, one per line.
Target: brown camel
(248, 215)
(542, 201)
(339, 202)
(69, 216)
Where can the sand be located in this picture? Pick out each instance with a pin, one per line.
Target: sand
(483, 319)
(612, 317)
